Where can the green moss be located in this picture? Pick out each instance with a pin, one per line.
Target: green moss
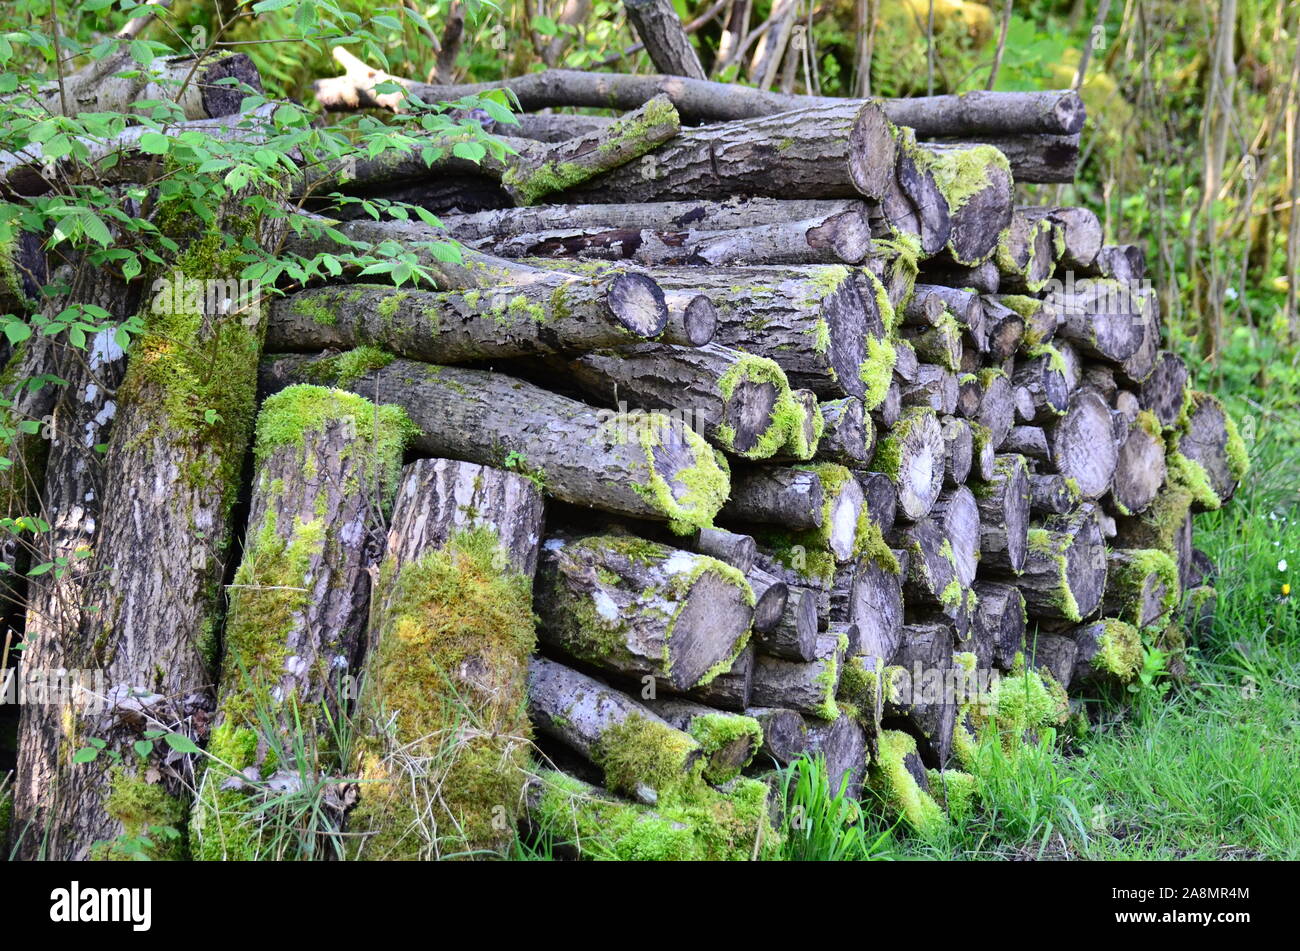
(1052, 547)
(442, 766)
(347, 368)
(876, 371)
(6, 815)
(889, 777)
(142, 809)
(697, 823)
(888, 456)
(389, 302)
(1055, 361)
(1235, 447)
(1120, 650)
(724, 733)
(1149, 424)
(1027, 307)
(1191, 475)
(786, 421)
(869, 542)
(642, 752)
(311, 304)
(955, 791)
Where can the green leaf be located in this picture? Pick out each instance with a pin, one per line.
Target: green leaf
(86, 754)
(181, 743)
(470, 151)
(142, 747)
(266, 6)
(155, 143)
(17, 331)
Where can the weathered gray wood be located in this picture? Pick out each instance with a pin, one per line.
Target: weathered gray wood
(1210, 448)
(664, 37)
(639, 608)
(1083, 445)
(785, 734)
(806, 687)
(999, 623)
(1077, 229)
(912, 456)
(1139, 467)
(736, 550)
(1064, 576)
(1164, 389)
(1141, 585)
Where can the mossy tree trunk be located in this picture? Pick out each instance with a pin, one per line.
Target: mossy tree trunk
(443, 700)
(327, 468)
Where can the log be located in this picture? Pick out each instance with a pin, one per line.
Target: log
(850, 435)
(740, 403)
(1139, 467)
(794, 636)
(1103, 318)
(1064, 576)
(1026, 254)
(940, 344)
(665, 39)
(327, 470)
(1041, 375)
(809, 687)
(729, 740)
(1077, 231)
(1054, 654)
(976, 182)
(824, 500)
(912, 456)
(736, 550)
(976, 114)
(983, 278)
(1142, 585)
(1004, 329)
(1052, 494)
(1028, 441)
(646, 465)
(818, 152)
(958, 516)
(1083, 445)
(872, 602)
(983, 454)
(886, 414)
(771, 598)
(1039, 158)
(1207, 453)
(460, 327)
(1004, 506)
(999, 623)
(1137, 367)
(692, 319)
(610, 730)
(641, 609)
(959, 446)
(996, 411)
(928, 711)
(446, 677)
(785, 734)
(1108, 651)
(843, 237)
(1164, 390)
(843, 745)
(913, 211)
(931, 578)
(881, 499)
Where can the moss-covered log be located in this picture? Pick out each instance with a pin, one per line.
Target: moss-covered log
(638, 752)
(444, 728)
(820, 502)
(1041, 375)
(1164, 392)
(911, 455)
(463, 326)
(643, 465)
(1064, 576)
(1026, 254)
(999, 624)
(729, 741)
(923, 702)
(1052, 494)
(785, 734)
(1206, 453)
(1077, 231)
(976, 182)
(1108, 651)
(936, 389)
(638, 608)
(842, 743)
(327, 468)
(740, 402)
(825, 151)
(1142, 585)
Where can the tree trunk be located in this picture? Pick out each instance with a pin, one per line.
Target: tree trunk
(926, 649)
(1026, 254)
(442, 711)
(641, 609)
(328, 464)
(651, 466)
(843, 744)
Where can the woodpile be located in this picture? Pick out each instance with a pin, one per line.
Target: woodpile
(767, 420)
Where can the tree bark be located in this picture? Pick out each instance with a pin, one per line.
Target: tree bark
(1078, 229)
(999, 623)
(806, 687)
(1083, 444)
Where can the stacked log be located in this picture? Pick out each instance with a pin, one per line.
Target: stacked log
(822, 419)
(947, 440)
